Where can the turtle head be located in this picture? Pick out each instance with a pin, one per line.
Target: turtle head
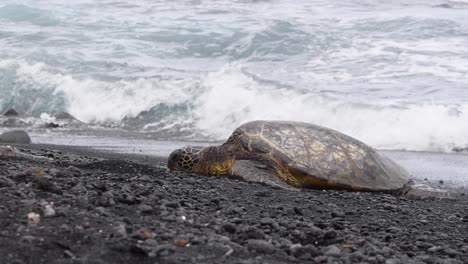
(184, 159)
(213, 160)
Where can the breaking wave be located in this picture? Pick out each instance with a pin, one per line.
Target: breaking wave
(213, 106)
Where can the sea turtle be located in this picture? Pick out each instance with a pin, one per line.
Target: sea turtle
(296, 154)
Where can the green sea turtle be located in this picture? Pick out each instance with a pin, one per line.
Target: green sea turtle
(295, 154)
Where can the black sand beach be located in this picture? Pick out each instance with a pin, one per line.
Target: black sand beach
(97, 207)
(101, 92)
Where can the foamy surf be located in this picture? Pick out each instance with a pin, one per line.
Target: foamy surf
(212, 107)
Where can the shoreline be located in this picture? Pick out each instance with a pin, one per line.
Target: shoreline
(122, 208)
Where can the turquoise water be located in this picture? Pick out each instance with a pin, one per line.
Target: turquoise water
(394, 75)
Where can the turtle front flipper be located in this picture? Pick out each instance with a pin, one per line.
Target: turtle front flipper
(254, 171)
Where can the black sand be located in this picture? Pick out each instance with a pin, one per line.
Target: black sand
(113, 208)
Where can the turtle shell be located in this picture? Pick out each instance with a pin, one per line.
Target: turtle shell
(320, 157)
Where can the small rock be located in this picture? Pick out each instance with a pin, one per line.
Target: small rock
(181, 242)
(393, 230)
(102, 211)
(433, 260)
(357, 256)
(262, 194)
(315, 231)
(34, 172)
(106, 199)
(74, 170)
(392, 261)
(333, 251)
(464, 249)
(330, 234)
(147, 247)
(424, 245)
(338, 214)
(172, 204)
(304, 252)
(100, 186)
(230, 228)
(298, 235)
(29, 202)
(28, 239)
(267, 221)
(69, 172)
(388, 206)
(86, 225)
(197, 240)
(79, 188)
(260, 246)
(293, 248)
(49, 210)
(285, 243)
(45, 184)
(434, 249)
(6, 182)
(443, 235)
(145, 209)
(33, 218)
(129, 199)
(465, 219)
(452, 253)
(298, 211)
(236, 220)
(120, 229)
(143, 234)
(69, 254)
(164, 250)
(253, 232)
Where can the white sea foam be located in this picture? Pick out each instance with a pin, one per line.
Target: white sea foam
(232, 98)
(225, 99)
(102, 102)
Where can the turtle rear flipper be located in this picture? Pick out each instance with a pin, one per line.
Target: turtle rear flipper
(422, 191)
(254, 171)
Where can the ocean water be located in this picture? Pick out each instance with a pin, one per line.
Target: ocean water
(393, 74)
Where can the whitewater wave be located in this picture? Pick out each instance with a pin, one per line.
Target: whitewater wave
(232, 98)
(95, 101)
(213, 106)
